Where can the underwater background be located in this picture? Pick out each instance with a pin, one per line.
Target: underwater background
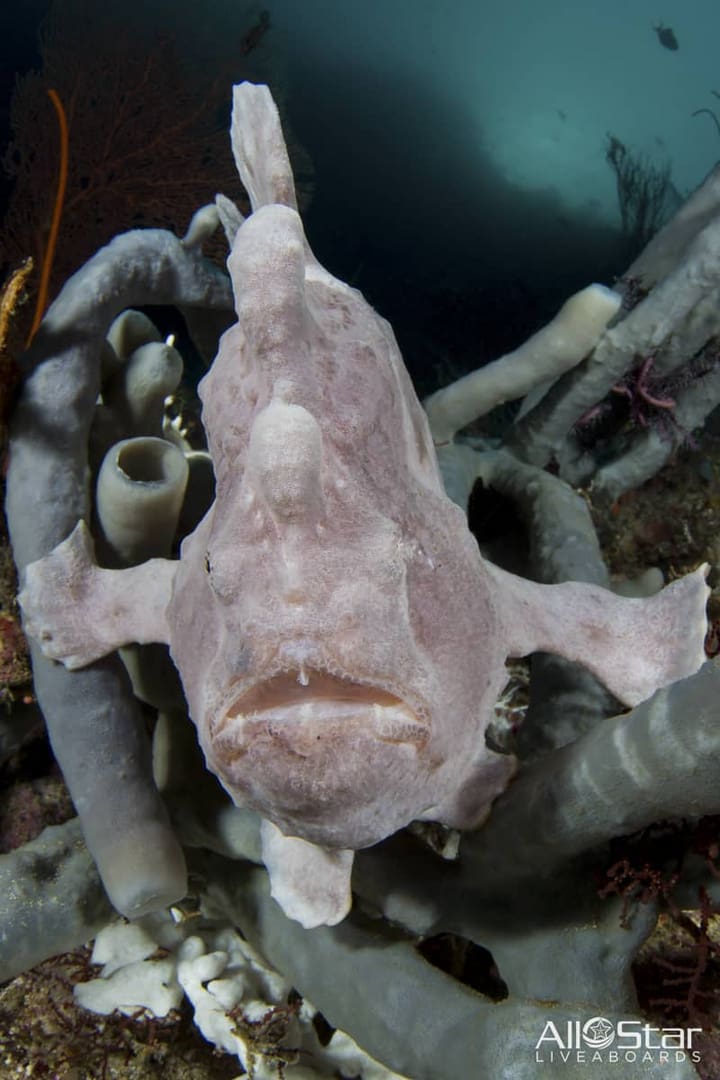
(458, 150)
(464, 163)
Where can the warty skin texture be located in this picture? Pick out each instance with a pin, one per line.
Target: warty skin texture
(338, 472)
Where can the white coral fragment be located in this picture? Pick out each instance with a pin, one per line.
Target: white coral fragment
(240, 1004)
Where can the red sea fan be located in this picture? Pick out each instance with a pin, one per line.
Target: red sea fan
(147, 122)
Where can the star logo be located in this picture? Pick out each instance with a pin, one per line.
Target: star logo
(598, 1032)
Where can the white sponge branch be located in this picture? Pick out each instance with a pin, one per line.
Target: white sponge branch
(552, 351)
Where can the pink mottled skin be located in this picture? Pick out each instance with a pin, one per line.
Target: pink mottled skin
(325, 595)
(340, 639)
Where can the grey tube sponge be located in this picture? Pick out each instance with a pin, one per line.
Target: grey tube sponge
(554, 349)
(51, 899)
(141, 489)
(129, 331)
(46, 478)
(644, 330)
(652, 447)
(126, 827)
(140, 492)
(564, 545)
(97, 732)
(661, 760)
(669, 246)
(138, 391)
(448, 1030)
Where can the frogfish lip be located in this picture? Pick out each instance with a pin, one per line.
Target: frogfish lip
(323, 757)
(300, 711)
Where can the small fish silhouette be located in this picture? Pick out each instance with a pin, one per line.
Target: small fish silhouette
(666, 37)
(255, 33)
